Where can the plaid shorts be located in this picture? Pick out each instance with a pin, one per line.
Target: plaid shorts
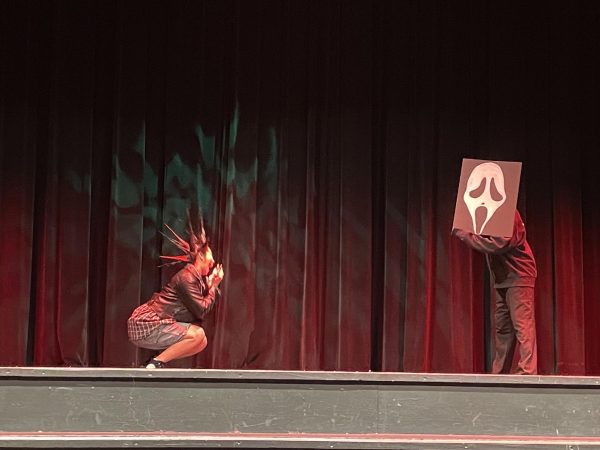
(163, 336)
(147, 330)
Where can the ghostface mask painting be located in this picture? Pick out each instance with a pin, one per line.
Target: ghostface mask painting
(487, 197)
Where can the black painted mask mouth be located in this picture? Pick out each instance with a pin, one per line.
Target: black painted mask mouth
(481, 215)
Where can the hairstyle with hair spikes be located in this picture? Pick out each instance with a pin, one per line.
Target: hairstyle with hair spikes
(196, 242)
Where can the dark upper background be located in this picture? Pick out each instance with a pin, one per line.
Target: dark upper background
(324, 141)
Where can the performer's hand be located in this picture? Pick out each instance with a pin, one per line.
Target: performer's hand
(217, 275)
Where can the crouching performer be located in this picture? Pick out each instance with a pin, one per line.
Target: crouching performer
(170, 320)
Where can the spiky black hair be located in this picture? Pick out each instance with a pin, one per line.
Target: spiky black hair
(196, 242)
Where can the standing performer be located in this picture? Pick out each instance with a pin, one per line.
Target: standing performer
(169, 321)
(513, 270)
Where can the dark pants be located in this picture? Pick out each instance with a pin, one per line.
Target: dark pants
(515, 318)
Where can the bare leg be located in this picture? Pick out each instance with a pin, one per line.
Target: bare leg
(193, 342)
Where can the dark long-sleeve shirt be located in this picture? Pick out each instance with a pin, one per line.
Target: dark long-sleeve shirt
(510, 260)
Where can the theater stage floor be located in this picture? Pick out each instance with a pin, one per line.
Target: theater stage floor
(47, 407)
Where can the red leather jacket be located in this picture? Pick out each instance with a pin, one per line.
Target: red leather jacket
(185, 297)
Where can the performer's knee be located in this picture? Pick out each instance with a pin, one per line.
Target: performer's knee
(199, 338)
(504, 328)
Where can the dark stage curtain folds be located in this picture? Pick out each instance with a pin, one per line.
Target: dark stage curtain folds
(323, 140)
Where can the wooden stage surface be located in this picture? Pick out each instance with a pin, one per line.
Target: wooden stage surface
(45, 407)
